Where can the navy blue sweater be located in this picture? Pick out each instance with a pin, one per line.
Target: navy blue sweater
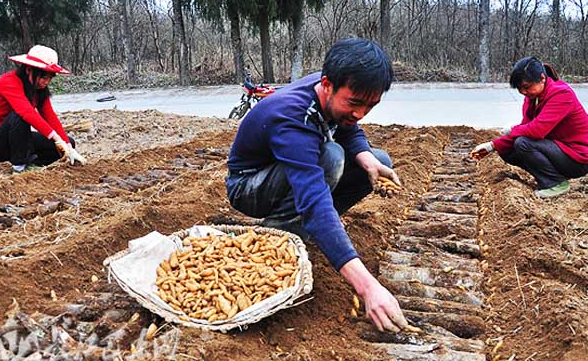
(276, 130)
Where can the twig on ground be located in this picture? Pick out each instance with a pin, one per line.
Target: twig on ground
(57, 258)
(520, 288)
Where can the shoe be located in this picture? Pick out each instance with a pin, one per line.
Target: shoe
(23, 168)
(554, 191)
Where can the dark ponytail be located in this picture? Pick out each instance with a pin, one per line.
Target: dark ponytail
(530, 69)
(550, 71)
(31, 92)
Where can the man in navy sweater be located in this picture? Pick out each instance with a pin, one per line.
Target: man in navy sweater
(299, 160)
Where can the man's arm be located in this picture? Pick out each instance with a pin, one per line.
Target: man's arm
(381, 307)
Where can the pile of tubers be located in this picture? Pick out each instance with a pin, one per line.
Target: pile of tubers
(216, 277)
(386, 187)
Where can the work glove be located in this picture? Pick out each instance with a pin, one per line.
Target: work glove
(482, 150)
(61, 146)
(73, 156)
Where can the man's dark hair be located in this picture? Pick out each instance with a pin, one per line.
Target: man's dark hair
(359, 64)
(530, 69)
(32, 93)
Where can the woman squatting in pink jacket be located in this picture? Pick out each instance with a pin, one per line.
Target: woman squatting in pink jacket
(551, 142)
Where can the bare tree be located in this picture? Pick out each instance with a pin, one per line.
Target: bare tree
(296, 25)
(236, 43)
(152, 14)
(124, 8)
(385, 25)
(181, 42)
(555, 32)
(484, 50)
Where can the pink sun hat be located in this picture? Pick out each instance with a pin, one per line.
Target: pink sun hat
(41, 57)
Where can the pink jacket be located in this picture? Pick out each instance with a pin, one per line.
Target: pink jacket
(559, 116)
(13, 98)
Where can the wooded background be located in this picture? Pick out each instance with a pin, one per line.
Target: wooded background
(280, 40)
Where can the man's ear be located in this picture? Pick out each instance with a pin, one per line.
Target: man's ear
(326, 85)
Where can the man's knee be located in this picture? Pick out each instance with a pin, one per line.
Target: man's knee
(332, 160)
(383, 157)
(72, 142)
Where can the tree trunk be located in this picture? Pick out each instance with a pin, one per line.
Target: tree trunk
(555, 32)
(155, 34)
(182, 46)
(297, 31)
(128, 41)
(27, 39)
(385, 25)
(484, 46)
(76, 53)
(236, 43)
(116, 39)
(266, 53)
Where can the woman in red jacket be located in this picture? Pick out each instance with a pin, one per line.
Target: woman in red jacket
(551, 142)
(24, 102)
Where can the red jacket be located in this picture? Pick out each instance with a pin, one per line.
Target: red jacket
(13, 98)
(557, 115)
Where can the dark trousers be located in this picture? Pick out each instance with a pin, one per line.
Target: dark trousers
(20, 145)
(545, 161)
(267, 193)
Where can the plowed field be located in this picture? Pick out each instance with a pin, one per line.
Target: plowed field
(149, 171)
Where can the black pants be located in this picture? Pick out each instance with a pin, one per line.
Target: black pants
(545, 161)
(20, 145)
(268, 193)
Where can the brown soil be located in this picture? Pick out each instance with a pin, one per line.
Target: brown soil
(150, 171)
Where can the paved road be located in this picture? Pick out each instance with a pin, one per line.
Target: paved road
(415, 104)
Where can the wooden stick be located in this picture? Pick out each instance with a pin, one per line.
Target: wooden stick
(520, 288)
(422, 244)
(461, 325)
(432, 305)
(81, 126)
(370, 334)
(449, 207)
(420, 290)
(432, 276)
(435, 258)
(436, 229)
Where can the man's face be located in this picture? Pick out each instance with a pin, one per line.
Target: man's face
(532, 90)
(346, 108)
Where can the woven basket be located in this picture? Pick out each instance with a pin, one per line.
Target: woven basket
(267, 307)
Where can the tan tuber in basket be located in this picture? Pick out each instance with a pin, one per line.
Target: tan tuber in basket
(267, 307)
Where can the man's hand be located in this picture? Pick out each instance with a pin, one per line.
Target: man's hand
(375, 169)
(482, 150)
(381, 307)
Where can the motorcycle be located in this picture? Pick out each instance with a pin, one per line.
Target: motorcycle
(252, 93)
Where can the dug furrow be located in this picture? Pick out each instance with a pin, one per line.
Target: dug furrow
(435, 271)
